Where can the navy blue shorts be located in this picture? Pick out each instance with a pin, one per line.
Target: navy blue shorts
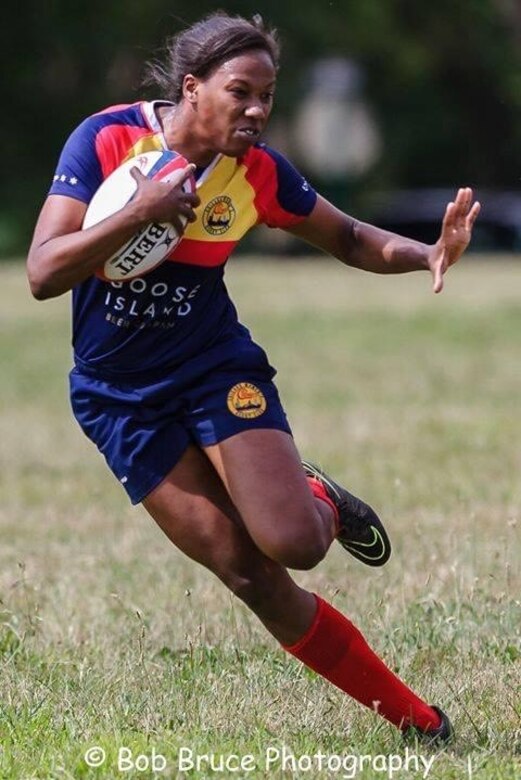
(143, 428)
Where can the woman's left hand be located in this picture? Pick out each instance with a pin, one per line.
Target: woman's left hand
(456, 231)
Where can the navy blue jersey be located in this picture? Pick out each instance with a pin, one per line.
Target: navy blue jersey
(182, 308)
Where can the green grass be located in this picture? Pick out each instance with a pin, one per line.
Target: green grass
(111, 637)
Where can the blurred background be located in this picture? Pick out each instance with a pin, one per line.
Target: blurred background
(386, 107)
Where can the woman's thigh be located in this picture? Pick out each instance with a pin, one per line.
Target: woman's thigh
(263, 475)
(195, 511)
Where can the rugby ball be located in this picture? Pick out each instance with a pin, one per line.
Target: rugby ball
(149, 246)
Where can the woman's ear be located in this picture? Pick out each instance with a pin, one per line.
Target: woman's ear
(190, 84)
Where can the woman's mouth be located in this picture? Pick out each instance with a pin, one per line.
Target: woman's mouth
(251, 133)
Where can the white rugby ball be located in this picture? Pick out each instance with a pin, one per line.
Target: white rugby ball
(149, 246)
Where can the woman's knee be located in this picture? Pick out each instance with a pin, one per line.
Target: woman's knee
(299, 554)
(300, 546)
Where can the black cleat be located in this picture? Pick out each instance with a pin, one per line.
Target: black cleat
(361, 531)
(443, 735)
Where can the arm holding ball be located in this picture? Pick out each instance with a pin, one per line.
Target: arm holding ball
(63, 255)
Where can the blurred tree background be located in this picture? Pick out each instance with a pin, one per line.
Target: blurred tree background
(442, 81)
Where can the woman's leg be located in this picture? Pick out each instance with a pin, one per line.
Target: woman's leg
(194, 510)
(196, 513)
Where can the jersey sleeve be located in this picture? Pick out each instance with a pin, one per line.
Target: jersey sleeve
(79, 173)
(289, 198)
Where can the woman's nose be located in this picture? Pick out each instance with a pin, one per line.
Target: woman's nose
(255, 111)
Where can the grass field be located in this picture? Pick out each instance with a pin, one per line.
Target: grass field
(110, 638)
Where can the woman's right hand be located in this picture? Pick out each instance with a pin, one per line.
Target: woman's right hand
(157, 201)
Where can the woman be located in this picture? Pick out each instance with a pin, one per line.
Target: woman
(171, 387)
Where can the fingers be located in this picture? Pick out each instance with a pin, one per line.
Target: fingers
(437, 285)
(187, 204)
(187, 172)
(187, 211)
(449, 219)
(472, 215)
(456, 232)
(464, 206)
(193, 199)
(456, 211)
(168, 200)
(179, 177)
(137, 175)
(460, 216)
(178, 225)
(464, 199)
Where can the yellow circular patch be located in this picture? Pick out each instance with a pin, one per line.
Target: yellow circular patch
(246, 400)
(219, 215)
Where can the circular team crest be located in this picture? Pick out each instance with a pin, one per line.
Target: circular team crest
(246, 400)
(219, 215)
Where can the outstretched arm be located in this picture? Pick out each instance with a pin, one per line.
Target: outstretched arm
(367, 247)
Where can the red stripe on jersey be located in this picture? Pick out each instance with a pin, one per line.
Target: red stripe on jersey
(204, 253)
(262, 174)
(113, 143)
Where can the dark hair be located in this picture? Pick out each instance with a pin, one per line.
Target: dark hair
(205, 45)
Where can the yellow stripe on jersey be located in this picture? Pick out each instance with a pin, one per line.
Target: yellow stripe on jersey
(149, 143)
(227, 208)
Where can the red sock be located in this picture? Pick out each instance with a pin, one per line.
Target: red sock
(319, 491)
(336, 649)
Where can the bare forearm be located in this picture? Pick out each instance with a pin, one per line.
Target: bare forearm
(60, 263)
(359, 244)
(372, 249)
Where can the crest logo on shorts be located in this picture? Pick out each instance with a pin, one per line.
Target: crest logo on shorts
(219, 215)
(246, 400)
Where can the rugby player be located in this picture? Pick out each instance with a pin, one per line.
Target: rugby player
(171, 387)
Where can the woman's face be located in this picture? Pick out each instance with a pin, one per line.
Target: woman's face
(232, 105)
